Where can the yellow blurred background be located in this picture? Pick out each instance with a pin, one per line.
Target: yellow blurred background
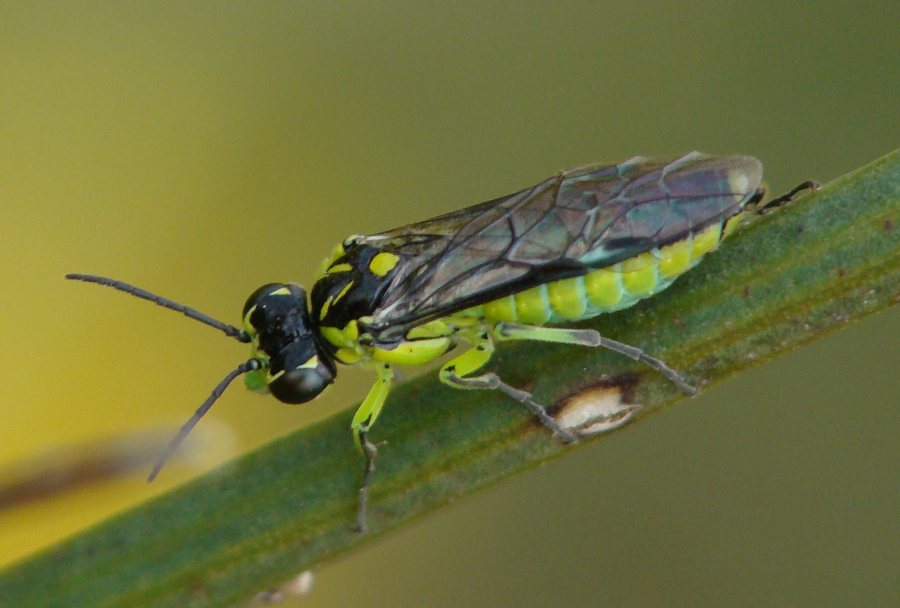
(201, 149)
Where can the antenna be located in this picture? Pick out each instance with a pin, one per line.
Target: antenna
(229, 330)
(243, 368)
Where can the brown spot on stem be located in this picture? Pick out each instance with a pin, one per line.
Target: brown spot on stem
(598, 408)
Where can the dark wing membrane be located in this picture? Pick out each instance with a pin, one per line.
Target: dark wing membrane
(569, 224)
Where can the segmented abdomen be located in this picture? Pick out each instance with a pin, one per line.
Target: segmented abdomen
(605, 289)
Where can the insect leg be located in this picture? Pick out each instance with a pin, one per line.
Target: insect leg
(589, 337)
(456, 372)
(363, 420)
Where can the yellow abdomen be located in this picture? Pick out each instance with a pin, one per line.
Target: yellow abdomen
(605, 289)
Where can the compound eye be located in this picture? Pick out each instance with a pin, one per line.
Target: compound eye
(302, 384)
(259, 294)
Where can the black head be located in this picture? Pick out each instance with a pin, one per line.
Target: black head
(288, 359)
(276, 316)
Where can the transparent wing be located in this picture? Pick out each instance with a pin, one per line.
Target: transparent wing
(567, 225)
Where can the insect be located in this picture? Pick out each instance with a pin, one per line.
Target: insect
(587, 241)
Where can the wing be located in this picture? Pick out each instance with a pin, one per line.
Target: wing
(567, 225)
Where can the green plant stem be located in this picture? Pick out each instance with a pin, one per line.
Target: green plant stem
(788, 278)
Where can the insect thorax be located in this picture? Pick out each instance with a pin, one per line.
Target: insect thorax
(348, 290)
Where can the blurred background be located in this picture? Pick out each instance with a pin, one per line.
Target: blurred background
(200, 150)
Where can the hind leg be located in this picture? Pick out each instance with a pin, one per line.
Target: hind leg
(589, 337)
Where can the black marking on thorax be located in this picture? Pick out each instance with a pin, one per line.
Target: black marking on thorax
(363, 296)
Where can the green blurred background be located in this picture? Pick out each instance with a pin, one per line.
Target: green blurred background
(202, 149)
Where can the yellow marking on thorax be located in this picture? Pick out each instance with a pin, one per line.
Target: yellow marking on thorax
(348, 349)
(325, 306)
(334, 299)
(383, 263)
(423, 343)
(348, 356)
(336, 268)
(341, 337)
(413, 352)
(336, 254)
(342, 292)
